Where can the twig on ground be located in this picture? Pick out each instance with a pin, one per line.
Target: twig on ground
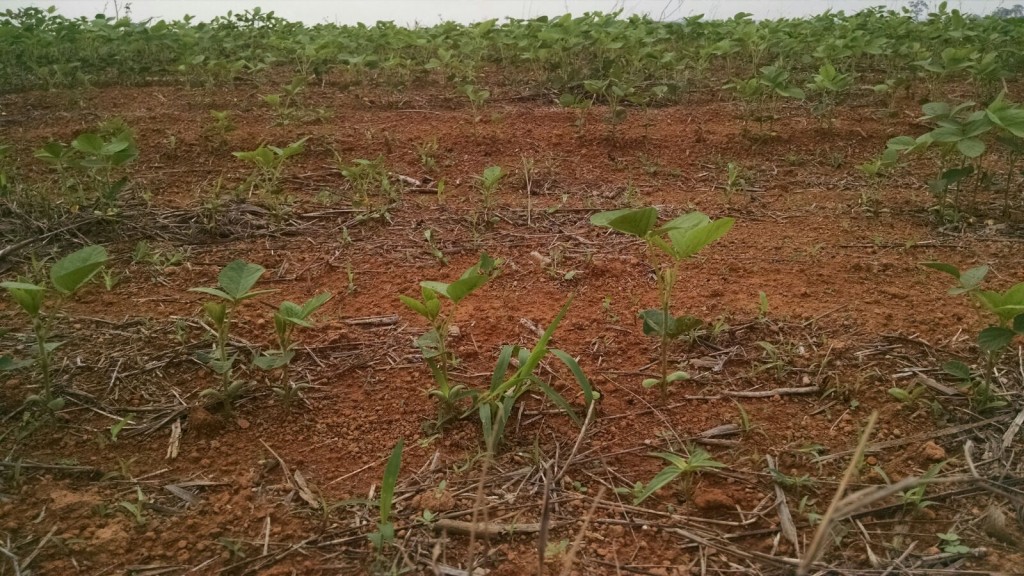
(817, 546)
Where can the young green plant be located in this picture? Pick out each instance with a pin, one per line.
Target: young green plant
(234, 287)
(433, 344)
(385, 527)
(675, 241)
(268, 163)
(698, 461)
(1007, 307)
(496, 405)
(67, 276)
(287, 318)
(488, 184)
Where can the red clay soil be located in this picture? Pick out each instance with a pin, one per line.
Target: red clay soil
(851, 313)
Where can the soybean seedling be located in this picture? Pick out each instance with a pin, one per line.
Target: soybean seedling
(67, 276)
(289, 316)
(433, 345)
(1007, 307)
(477, 98)
(235, 283)
(268, 163)
(678, 239)
(488, 185)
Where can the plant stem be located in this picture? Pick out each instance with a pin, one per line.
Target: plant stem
(222, 343)
(668, 278)
(43, 355)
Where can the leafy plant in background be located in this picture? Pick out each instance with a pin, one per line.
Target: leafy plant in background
(368, 177)
(89, 165)
(734, 180)
(477, 97)
(234, 286)
(427, 151)
(496, 405)
(268, 163)
(615, 91)
(978, 388)
(761, 93)
(951, 544)
(830, 87)
(285, 105)
(676, 240)
(222, 125)
(287, 318)
(963, 135)
(698, 461)
(488, 183)
(579, 105)
(67, 276)
(1007, 307)
(433, 344)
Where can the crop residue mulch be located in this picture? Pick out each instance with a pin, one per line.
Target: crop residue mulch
(272, 490)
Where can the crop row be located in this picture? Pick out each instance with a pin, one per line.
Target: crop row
(637, 58)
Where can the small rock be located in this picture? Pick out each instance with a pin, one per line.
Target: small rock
(713, 499)
(243, 423)
(435, 501)
(872, 461)
(932, 452)
(201, 422)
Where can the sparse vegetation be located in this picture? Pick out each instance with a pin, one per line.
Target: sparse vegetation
(506, 403)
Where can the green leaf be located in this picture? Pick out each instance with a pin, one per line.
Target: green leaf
(791, 92)
(687, 221)
(577, 372)
(901, 143)
(637, 222)
(655, 323)
(995, 338)
(1018, 323)
(273, 361)
(314, 303)
(465, 286)
(414, 305)
(28, 296)
(216, 311)
(899, 394)
(686, 243)
(957, 369)
(238, 277)
(541, 348)
(673, 459)
(559, 401)
(212, 292)
(650, 382)
(387, 486)
(971, 147)
(75, 269)
(429, 344)
(88, 143)
(501, 367)
(972, 278)
(8, 364)
(943, 267)
(660, 480)
(677, 376)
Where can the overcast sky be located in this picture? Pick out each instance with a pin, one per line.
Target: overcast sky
(426, 12)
